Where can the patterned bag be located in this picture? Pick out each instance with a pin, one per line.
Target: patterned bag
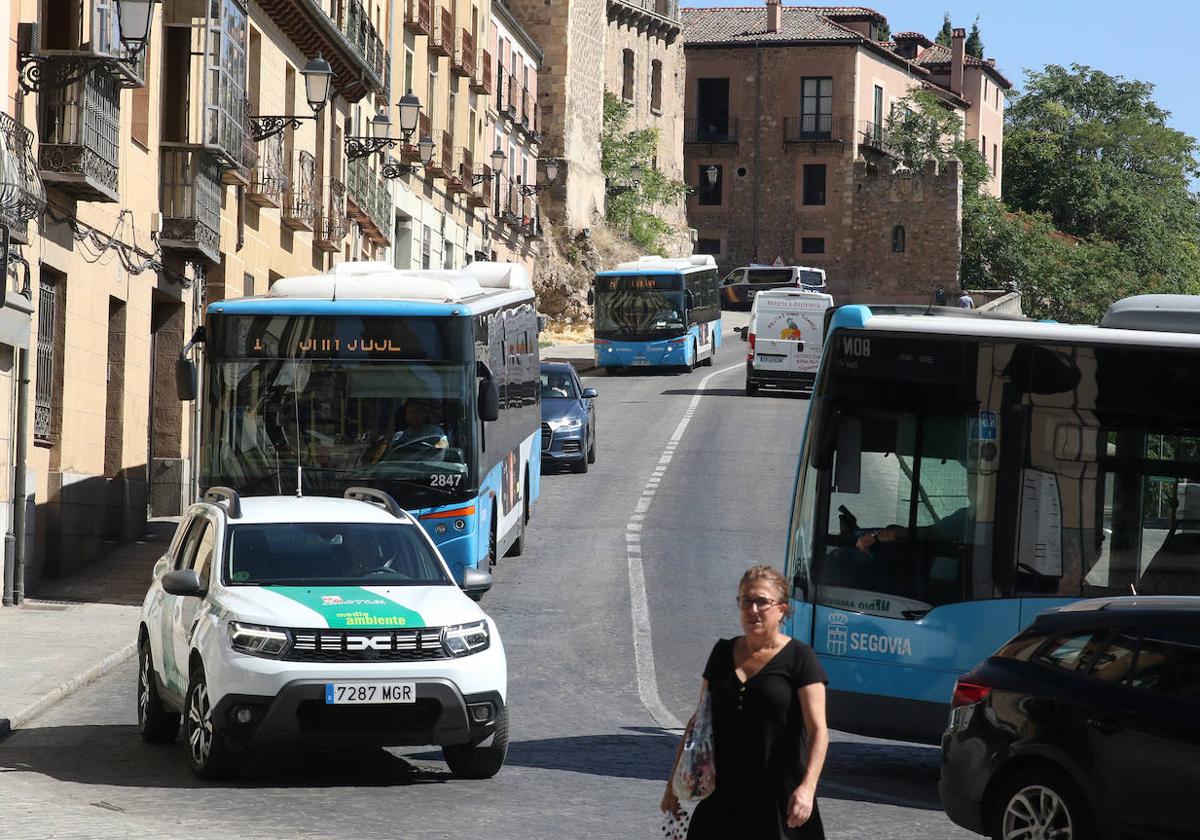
(696, 773)
(675, 826)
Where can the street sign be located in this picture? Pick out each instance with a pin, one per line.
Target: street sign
(778, 262)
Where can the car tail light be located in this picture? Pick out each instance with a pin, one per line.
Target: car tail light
(750, 355)
(969, 693)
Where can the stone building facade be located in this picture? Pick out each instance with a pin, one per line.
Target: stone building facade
(637, 44)
(785, 147)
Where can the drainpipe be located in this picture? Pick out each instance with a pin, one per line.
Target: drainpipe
(757, 117)
(14, 541)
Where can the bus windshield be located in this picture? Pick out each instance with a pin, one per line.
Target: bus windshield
(947, 469)
(634, 313)
(344, 416)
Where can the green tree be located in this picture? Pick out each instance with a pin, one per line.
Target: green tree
(974, 45)
(883, 32)
(1094, 155)
(945, 35)
(632, 207)
(921, 128)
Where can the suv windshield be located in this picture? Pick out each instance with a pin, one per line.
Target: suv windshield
(331, 554)
(557, 384)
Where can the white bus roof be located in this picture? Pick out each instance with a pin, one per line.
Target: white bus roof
(656, 263)
(380, 281)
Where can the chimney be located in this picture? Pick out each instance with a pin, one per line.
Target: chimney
(958, 52)
(774, 15)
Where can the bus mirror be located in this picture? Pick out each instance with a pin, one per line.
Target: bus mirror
(542, 322)
(489, 400)
(591, 297)
(690, 299)
(185, 379)
(848, 467)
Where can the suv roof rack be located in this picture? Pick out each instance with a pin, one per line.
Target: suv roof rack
(233, 501)
(378, 498)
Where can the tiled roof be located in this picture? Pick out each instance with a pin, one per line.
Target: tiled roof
(938, 55)
(742, 24)
(841, 11)
(911, 36)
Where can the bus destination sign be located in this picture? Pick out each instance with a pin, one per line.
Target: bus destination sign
(638, 283)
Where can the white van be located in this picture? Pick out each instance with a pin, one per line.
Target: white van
(741, 285)
(786, 338)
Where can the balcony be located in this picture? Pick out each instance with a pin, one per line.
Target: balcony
(22, 196)
(409, 153)
(463, 63)
(874, 136)
(510, 203)
(817, 128)
(269, 174)
(509, 101)
(190, 199)
(418, 16)
(368, 201)
(481, 193)
(442, 165)
(459, 182)
(329, 225)
(441, 39)
(89, 35)
(526, 124)
(660, 18)
(710, 132)
(80, 130)
(239, 176)
(347, 40)
(483, 82)
(300, 200)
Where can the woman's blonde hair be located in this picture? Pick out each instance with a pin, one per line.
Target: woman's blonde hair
(770, 576)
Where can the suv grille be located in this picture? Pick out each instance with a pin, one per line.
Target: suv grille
(547, 436)
(406, 645)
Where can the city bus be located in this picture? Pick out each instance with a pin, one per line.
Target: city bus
(422, 384)
(961, 472)
(657, 312)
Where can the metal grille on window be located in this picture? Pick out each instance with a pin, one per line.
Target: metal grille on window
(43, 415)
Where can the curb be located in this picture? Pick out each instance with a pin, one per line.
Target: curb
(66, 689)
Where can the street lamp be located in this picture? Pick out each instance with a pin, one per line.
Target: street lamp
(635, 181)
(400, 170)
(551, 176)
(317, 77)
(54, 72)
(380, 137)
(711, 173)
(497, 158)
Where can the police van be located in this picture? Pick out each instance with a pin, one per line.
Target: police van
(786, 337)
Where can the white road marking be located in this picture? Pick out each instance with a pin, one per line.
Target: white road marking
(643, 646)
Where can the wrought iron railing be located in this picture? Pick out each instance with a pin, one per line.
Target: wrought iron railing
(813, 128)
(300, 200)
(367, 189)
(710, 131)
(80, 135)
(418, 16)
(269, 174)
(43, 390)
(190, 198)
(358, 29)
(329, 225)
(22, 196)
(873, 135)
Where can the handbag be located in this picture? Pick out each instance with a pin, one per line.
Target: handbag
(696, 773)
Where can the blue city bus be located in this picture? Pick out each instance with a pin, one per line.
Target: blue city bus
(423, 384)
(961, 472)
(657, 312)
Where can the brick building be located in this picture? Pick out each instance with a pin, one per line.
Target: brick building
(638, 45)
(785, 145)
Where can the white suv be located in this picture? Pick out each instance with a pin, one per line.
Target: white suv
(275, 620)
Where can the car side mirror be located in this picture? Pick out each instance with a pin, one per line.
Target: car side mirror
(742, 332)
(590, 393)
(488, 402)
(184, 582)
(475, 583)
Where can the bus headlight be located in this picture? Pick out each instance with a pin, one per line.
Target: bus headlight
(258, 640)
(465, 639)
(459, 524)
(440, 529)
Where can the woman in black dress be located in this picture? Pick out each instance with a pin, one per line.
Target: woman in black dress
(769, 732)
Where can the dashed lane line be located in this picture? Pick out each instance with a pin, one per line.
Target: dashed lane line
(643, 648)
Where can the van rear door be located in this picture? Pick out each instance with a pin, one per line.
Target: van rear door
(787, 327)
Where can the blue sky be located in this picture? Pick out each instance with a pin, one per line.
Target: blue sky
(1150, 40)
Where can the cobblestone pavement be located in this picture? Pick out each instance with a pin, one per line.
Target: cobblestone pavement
(586, 759)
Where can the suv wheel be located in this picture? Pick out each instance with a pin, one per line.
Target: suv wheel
(156, 724)
(472, 762)
(1040, 802)
(208, 755)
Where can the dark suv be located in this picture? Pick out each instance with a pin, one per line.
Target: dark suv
(1085, 725)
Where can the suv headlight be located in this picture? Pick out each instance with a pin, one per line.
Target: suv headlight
(568, 423)
(465, 639)
(258, 640)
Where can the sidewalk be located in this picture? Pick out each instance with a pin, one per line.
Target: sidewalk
(582, 356)
(75, 629)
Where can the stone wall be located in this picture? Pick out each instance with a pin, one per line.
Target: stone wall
(571, 93)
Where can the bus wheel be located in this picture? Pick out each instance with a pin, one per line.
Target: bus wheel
(712, 355)
(691, 365)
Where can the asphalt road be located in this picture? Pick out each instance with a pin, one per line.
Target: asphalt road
(588, 757)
